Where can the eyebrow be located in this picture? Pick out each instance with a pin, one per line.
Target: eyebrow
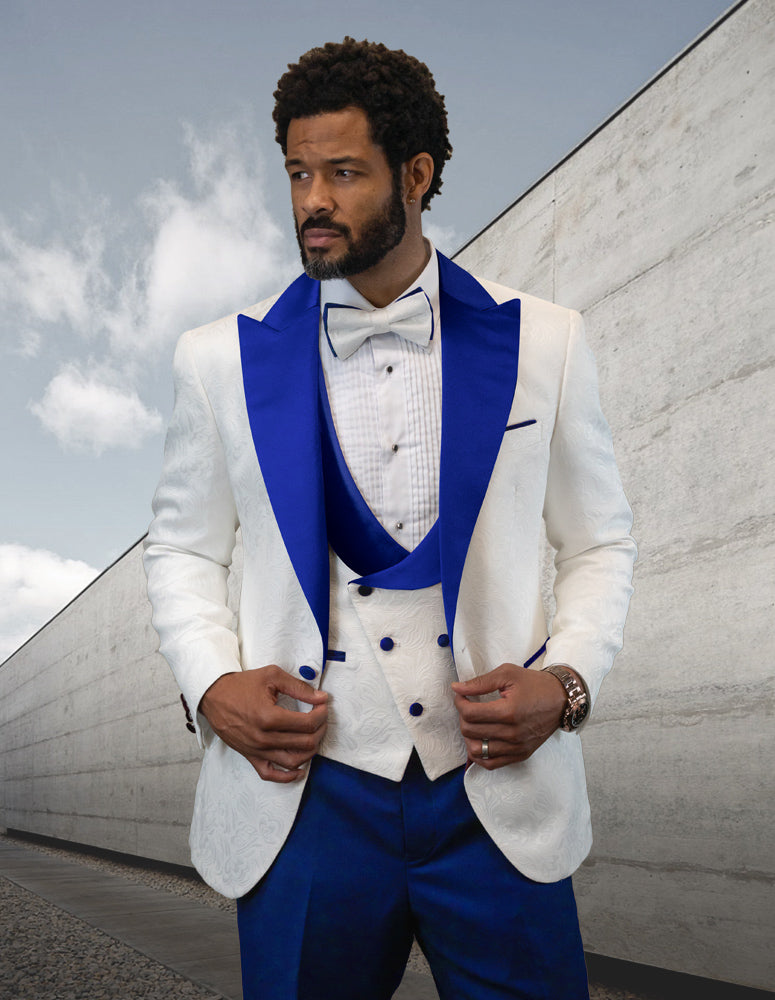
(334, 161)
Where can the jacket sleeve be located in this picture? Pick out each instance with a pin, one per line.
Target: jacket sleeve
(588, 521)
(189, 545)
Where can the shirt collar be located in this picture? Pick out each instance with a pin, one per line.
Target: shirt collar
(340, 290)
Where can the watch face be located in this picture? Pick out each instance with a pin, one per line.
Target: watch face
(579, 714)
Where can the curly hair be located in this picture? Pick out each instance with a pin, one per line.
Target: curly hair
(396, 91)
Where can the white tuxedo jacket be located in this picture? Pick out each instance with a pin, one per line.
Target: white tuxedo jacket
(523, 438)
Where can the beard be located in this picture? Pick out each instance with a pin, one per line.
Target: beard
(381, 234)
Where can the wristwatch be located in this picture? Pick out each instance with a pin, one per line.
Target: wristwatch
(577, 708)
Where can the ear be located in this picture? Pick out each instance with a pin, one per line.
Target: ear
(417, 174)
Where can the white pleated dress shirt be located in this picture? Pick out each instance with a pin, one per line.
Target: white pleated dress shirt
(386, 406)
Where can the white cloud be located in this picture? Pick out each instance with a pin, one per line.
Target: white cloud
(54, 283)
(34, 585)
(92, 412)
(200, 248)
(216, 251)
(444, 238)
(194, 256)
(29, 343)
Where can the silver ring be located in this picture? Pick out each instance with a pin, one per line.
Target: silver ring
(485, 754)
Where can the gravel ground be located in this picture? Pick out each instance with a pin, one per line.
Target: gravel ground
(46, 954)
(181, 884)
(49, 955)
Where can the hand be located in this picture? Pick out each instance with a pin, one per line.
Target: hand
(528, 711)
(242, 709)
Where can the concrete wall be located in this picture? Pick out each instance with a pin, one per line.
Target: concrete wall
(93, 737)
(660, 229)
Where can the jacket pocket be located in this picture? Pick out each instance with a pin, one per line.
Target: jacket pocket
(523, 433)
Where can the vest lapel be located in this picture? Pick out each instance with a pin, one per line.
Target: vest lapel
(479, 359)
(280, 361)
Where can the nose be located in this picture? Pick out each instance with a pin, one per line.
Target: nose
(318, 198)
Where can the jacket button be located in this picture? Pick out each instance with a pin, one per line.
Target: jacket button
(386, 644)
(364, 591)
(443, 639)
(415, 709)
(308, 673)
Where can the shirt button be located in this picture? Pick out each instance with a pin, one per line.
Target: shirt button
(389, 369)
(443, 639)
(394, 448)
(415, 709)
(364, 591)
(386, 644)
(308, 673)
(399, 525)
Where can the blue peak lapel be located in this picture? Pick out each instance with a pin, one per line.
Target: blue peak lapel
(479, 359)
(280, 362)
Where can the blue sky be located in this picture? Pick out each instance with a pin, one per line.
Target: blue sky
(141, 193)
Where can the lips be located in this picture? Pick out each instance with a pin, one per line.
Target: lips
(320, 239)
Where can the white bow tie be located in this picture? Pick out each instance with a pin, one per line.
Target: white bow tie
(348, 326)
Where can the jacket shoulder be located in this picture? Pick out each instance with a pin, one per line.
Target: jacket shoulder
(225, 328)
(531, 304)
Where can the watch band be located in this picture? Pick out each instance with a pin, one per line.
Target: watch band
(577, 707)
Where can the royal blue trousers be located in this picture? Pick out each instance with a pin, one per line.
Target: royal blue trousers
(370, 864)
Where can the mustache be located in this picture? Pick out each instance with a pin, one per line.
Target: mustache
(323, 222)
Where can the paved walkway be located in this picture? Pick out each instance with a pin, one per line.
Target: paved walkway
(166, 928)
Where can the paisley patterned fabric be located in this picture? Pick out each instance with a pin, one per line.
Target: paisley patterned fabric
(557, 464)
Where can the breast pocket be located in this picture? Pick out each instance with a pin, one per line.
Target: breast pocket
(523, 433)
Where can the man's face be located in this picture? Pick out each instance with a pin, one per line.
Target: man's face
(347, 206)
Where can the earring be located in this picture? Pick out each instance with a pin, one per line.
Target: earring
(411, 201)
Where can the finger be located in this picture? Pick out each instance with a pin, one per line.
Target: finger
(499, 754)
(276, 719)
(270, 772)
(288, 760)
(494, 763)
(285, 683)
(303, 744)
(494, 712)
(495, 748)
(486, 683)
(264, 739)
(489, 731)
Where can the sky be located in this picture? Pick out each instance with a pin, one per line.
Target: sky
(142, 193)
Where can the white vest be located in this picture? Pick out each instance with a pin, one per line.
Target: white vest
(398, 662)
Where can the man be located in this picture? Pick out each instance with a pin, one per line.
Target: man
(389, 433)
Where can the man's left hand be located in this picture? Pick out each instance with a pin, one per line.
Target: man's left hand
(528, 711)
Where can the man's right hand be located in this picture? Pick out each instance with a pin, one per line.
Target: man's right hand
(242, 709)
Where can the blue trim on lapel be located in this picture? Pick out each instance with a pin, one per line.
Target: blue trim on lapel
(280, 361)
(479, 359)
(420, 568)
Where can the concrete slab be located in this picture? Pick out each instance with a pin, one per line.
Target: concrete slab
(166, 928)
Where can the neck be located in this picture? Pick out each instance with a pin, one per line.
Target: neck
(396, 272)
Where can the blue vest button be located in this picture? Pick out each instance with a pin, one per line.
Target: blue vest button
(386, 644)
(308, 673)
(415, 709)
(443, 639)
